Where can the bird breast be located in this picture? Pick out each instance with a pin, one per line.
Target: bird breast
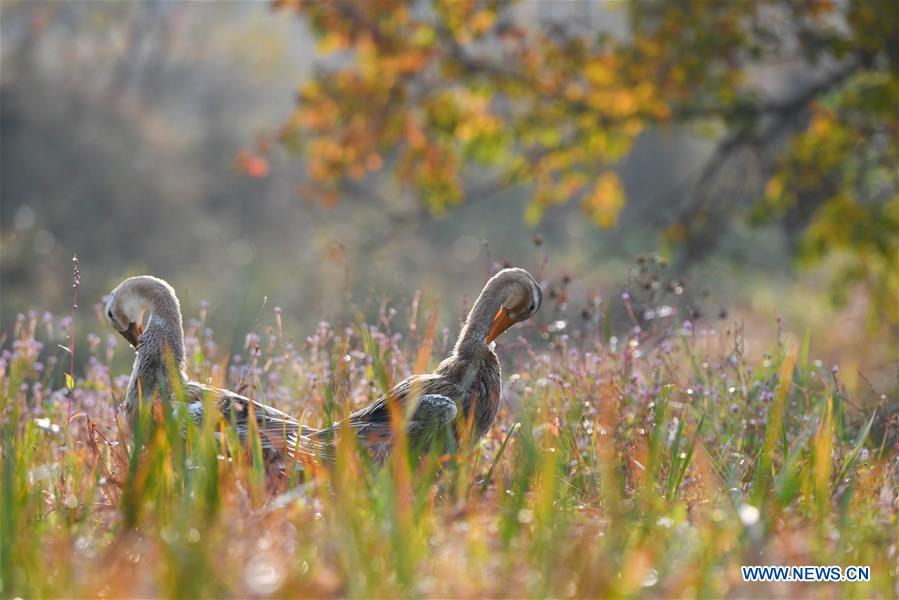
(480, 383)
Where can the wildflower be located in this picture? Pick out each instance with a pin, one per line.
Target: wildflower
(93, 342)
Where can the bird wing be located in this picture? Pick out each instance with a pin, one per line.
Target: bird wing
(278, 431)
(434, 409)
(434, 412)
(411, 389)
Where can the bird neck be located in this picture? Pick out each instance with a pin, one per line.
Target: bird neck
(473, 337)
(164, 335)
(160, 354)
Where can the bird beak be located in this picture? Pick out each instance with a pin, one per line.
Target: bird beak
(501, 322)
(132, 334)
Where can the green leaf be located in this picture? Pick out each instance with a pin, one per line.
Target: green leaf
(607, 324)
(803, 353)
(499, 455)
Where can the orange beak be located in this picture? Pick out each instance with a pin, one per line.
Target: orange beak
(132, 334)
(501, 322)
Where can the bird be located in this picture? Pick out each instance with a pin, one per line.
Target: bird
(160, 360)
(463, 391)
(465, 388)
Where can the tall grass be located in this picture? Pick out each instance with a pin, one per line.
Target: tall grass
(650, 464)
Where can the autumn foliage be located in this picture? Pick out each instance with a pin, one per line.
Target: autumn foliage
(441, 95)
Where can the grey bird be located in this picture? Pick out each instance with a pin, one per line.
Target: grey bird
(469, 379)
(465, 388)
(159, 367)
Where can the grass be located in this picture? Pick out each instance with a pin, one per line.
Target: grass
(652, 464)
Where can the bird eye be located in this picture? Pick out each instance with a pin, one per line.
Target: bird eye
(531, 309)
(109, 314)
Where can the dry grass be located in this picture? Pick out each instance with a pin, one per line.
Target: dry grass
(653, 464)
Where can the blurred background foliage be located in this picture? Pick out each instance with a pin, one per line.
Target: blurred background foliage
(329, 156)
(444, 94)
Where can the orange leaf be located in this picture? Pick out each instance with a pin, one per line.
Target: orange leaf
(251, 164)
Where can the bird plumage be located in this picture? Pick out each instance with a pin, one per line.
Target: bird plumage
(470, 377)
(463, 391)
(159, 370)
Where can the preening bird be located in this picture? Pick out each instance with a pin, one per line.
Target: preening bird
(464, 388)
(160, 357)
